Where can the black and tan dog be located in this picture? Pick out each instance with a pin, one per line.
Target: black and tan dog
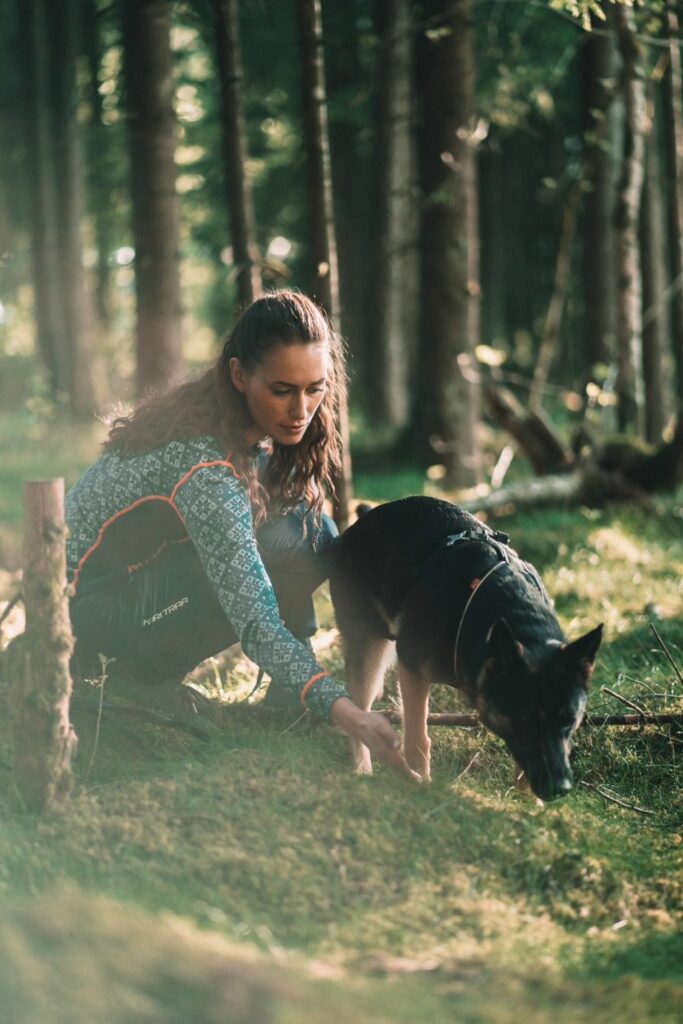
(461, 608)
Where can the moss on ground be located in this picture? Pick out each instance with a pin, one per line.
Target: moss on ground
(253, 877)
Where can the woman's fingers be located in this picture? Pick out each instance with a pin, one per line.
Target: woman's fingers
(386, 745)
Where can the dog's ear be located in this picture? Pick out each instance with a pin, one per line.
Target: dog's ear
(584, 649)
(501, 643)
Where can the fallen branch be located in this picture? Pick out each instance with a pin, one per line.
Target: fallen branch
(473, 721)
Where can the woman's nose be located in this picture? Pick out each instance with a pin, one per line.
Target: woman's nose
(297, 409)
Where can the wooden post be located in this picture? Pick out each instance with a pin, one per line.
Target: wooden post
(40, 683)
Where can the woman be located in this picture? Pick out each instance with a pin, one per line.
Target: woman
(199, 487)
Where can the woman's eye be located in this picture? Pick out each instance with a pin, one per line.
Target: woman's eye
(316, 390)
(280, 394)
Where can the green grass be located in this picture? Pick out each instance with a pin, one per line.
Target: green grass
(255, 878)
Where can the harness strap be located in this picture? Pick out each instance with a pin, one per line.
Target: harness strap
(475, 586)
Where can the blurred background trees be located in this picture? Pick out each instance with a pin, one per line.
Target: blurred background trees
(483, 195)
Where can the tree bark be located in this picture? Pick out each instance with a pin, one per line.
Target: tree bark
(323, 242)
(49, 308)
(597, 74)
(395, 299)
(148, 67)
(240, 205)
(655, 320)
(672, 97)
(61, 310)
(447, 407)
(629, 383)
(64, 27)
(40, 684)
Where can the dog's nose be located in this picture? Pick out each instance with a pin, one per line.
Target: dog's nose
(560, 788)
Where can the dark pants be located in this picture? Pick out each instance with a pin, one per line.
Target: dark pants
(161, 620)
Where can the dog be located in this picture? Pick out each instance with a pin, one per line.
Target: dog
(425, 579)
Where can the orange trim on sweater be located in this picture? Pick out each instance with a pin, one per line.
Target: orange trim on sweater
(141, 501)
(311, 682)
(202, 465)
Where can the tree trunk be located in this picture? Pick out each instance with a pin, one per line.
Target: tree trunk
(673, 124)
(323, 243)
(148, 67)
(40, 684)
(49, 308)
(395, 300)
(447, 411)
(493, 241)
(242, 230)
(597, 72)
(64, 26)
(655, 320)
(63, 325)
(629, 383)
(98, 163)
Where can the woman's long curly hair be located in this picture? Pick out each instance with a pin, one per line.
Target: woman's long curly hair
(212, 405)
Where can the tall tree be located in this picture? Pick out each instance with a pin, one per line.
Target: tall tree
(448, 400)
(240, 205)
(56, 168)
(323, 245)
(673, 133)
(597, 89)
(395, 296)
(148, 68)
(654, 264)
(629, 384)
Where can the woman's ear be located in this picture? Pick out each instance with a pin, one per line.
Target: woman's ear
(236, 374)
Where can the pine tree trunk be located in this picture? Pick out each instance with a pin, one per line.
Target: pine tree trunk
(97, 163)
(40, 684)
(597, 72)
(148, 67)
(448, 402)
(493, 242)
(49, 307)
(673, 132)
(395, 299)
(629, 384)
(323, 243)
(240, 205)
(64, 26)
(655, 320)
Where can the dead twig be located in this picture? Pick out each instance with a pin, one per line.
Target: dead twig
(624, 700)
(616, 800)
(667, 652)
(12, 604)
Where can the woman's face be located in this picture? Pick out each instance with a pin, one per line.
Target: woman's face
(284, 391)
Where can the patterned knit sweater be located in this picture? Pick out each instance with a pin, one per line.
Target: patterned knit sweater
(126, 509)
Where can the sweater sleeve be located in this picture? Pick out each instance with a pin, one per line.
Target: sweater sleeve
(218, 519)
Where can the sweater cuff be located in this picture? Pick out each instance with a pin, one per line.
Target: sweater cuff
(320, 694)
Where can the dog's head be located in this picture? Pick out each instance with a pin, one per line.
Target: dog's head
(535, 705)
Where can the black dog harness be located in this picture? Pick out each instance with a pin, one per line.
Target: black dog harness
(500, 542)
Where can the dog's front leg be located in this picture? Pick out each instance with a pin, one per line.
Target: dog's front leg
(416, 742)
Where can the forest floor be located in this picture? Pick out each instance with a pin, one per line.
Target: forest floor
(252, 877)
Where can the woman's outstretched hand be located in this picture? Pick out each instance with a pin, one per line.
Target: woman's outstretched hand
(372, 729)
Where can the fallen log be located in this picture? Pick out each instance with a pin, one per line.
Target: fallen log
(473, 721)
